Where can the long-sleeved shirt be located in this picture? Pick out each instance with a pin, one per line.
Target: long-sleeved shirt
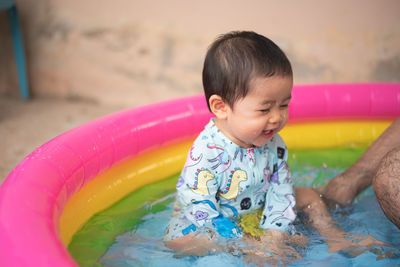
(222, 179)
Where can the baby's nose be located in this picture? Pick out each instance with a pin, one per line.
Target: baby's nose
(275, 116)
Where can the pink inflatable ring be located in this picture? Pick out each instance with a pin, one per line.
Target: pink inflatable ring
(34, 194)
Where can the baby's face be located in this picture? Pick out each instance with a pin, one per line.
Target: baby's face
(255, 118)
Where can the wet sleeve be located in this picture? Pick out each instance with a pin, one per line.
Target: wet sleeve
(278, 212)
(197, 190)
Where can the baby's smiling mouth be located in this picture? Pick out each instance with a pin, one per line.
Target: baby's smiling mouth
(268, 131)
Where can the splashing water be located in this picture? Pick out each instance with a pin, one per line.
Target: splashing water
(143, 245)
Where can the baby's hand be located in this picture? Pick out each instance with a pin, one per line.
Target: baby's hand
(271, 248)
(299, 240)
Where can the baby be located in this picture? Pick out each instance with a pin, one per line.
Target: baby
(238, 163)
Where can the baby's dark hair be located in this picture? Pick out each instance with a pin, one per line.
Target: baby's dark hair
(235, 58)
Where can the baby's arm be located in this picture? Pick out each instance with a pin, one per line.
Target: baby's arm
(197, 192)
(197, 188)
(278, 213)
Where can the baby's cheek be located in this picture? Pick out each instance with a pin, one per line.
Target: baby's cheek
(285, 118)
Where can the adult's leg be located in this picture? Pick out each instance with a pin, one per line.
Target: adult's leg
(347, 185)
(310, 202)
(386, 184)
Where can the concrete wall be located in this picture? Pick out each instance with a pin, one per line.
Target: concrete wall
(132, 52)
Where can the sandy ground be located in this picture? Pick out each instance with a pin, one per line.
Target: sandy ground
(25, 125)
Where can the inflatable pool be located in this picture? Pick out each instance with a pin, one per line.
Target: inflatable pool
(50, 195)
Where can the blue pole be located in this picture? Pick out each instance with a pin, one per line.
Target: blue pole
(19, 52)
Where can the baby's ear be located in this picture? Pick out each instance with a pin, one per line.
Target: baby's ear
(218, 107)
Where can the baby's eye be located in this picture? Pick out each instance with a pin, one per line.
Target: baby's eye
(265, 110)
(285, 106)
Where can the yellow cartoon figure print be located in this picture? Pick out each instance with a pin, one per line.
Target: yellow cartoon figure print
(200, 183)
(232, 188)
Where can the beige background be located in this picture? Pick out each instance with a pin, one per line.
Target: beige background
(134, 52)
(88, 58)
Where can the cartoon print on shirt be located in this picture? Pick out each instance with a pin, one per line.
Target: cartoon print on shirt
(288, 213)
(275, 176)
(222, 160)
(245, 204)
(214, 146)
(237, 151)
(191, 160)
(289, 175)
(200, 183)
(200, 215)
(263, 219)
(250, 154)
(225, 180)
(234, 211)
(232, 189)
(180, 182)
(265, 180)
(190, 228)
(280, 151)
(208, 202)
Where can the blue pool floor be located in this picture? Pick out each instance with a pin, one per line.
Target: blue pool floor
(143, 246)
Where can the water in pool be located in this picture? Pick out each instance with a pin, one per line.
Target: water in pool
(143, 246)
